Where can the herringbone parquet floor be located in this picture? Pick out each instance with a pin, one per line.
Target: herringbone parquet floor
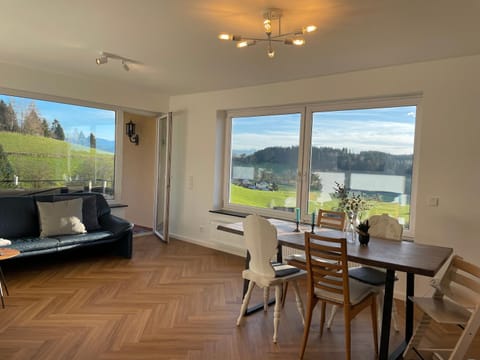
(177, 301)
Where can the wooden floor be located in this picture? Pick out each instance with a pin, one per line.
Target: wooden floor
(177, 301)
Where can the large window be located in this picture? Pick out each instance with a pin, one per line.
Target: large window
(47, 146)
(281, 159)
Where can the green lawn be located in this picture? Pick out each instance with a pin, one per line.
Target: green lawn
(285, 197)
(36, 158)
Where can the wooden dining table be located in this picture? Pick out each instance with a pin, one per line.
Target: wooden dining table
(404, 256)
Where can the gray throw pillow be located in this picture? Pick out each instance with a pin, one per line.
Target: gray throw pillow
(61, 217)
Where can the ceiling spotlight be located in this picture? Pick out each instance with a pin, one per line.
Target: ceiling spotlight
(269, 17)
(101, 60)
(125, 65)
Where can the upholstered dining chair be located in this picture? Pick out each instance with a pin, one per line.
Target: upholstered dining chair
(328, 282)
(383, 227)
(261, 242)
(455, 303)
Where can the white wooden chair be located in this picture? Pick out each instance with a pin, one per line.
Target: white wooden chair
(261, 242)
(456, 301)
(383, 227)
(328, 282)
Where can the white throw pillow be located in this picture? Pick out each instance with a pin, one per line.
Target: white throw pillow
(61, 217)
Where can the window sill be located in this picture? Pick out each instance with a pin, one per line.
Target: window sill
(229, 213)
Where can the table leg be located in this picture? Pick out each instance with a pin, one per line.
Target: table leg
(409, 307)
(398, 353)
(4, 282)
(387, 314)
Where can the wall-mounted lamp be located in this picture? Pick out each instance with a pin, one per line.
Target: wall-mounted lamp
(130, 131)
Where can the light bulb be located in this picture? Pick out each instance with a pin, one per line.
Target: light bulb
(271, 53)
(245, 43)
(225, 36)
(298, 41)
(267, 25)
(310, 28)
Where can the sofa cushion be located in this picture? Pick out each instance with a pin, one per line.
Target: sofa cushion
(28, 244)
(89, 209)
(82, 238)
(61, 217)
(18, 217)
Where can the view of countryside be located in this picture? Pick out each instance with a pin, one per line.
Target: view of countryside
(45, 145)
(370, 151)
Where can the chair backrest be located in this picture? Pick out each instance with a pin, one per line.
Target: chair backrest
(331, 219)
(385, 227)
(261, 241)
(327, 266)
(460, 283)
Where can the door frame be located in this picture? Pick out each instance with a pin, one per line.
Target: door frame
(167, 177)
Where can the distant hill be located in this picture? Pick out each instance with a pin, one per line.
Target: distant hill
(106, 145)
(329, 159)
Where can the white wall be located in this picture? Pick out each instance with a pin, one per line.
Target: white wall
(17, 78)
(448, 135)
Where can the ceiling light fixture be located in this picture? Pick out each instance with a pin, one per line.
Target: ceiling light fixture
(270, 16)
(104, 56)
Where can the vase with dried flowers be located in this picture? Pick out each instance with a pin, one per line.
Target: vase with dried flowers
(354, 205)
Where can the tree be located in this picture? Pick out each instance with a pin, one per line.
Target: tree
(46, 130)
(56, 130)
(32, 124)
(6, 169)
(93, 141)
(8, 118)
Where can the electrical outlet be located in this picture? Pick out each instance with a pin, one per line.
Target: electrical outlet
(433, 201)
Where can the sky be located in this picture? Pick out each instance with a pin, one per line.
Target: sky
(390, 130)
(87, 119)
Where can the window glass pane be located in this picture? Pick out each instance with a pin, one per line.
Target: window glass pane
(264, 161)
(47, 145)
(370, 152)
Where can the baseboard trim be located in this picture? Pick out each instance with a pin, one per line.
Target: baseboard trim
(216, 246)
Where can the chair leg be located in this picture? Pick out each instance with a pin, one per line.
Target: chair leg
(466, 338)
(246, 299)
(348, 333)
(284, 296)
(276, 311)
(417, 335)
(322, 317)
(380, 312)
(298, 300)
(332, 315)
(373, 310)
(266, 295)
(394, 317)
(311, 302)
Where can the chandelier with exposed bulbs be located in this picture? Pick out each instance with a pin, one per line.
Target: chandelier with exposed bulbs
(269, 17)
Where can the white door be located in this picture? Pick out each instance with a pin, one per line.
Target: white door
(164, 147)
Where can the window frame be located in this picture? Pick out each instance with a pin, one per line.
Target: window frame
(264, 111)
(76, 102)
(304, 153)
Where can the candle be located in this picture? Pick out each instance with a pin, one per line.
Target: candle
(297, 215)
(313, 218)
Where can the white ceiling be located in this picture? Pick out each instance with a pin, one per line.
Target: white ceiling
(176, 45)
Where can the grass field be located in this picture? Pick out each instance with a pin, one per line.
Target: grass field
(287, 198)
(36, 158)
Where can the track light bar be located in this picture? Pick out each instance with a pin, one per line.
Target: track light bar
(103, 59)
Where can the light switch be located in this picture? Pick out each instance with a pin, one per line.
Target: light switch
(433, 201)
(190, 183)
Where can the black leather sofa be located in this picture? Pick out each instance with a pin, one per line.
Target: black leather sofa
(19, 223)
